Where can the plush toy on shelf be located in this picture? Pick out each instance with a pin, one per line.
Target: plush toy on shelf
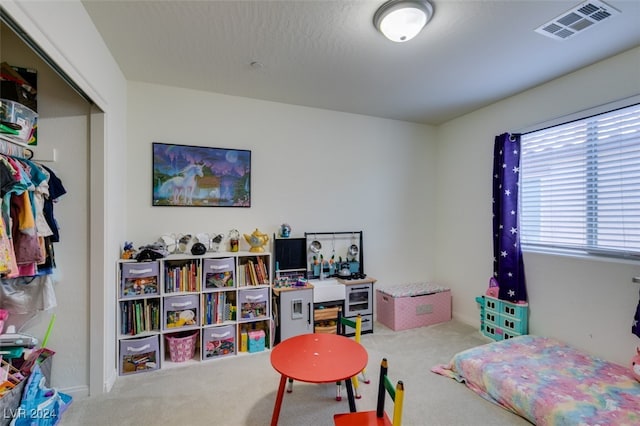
(128, 252)
(493, 289)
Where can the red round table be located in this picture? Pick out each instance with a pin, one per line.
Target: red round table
(317, 358)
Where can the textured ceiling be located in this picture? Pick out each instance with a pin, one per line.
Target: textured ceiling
(327, 54)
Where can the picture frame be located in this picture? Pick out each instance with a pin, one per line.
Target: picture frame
(200, 176)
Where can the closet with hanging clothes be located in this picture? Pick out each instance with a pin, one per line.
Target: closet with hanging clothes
(28, 229)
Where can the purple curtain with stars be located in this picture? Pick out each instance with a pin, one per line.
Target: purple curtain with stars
(508, 267)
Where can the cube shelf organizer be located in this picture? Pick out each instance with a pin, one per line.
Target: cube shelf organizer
(502, 320)
(184, 309)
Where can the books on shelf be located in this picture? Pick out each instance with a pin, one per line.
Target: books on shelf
(182, 277)
(253, 272)
(139, 316)
(216, 308)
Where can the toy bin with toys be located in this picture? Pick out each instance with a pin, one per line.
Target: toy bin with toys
(253, 303)
(218, 272)
(181, 312)
(413, 305)
(18, 120)
(139, 279)
(139, 355)
(11, 390)
(218, 341)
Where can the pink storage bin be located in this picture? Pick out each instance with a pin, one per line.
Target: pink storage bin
(413, 305)
(182, 346)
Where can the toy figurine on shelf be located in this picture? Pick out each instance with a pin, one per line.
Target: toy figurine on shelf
(216, 241)
(234, 236)
(257, 241)
(285, 230)
(128, 252)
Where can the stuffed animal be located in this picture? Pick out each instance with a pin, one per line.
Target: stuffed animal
(635, 365)
(128, 252)
(493, 289)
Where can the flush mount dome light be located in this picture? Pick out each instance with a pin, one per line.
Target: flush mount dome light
(402, 20)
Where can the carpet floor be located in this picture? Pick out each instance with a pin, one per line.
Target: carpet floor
(241, 390)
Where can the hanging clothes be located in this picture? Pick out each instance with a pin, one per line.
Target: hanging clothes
(27, 231)
(23, 232)
(56, 190)
(41, 193)
(28, 191)
(7, 259)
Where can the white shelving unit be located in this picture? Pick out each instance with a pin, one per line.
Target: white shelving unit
(216, 305)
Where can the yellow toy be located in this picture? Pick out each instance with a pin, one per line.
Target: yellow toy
(184, 318)
(257, 241)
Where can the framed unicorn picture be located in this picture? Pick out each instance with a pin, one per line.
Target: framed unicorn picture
(199, 176)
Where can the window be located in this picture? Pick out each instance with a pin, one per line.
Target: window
(580, 185)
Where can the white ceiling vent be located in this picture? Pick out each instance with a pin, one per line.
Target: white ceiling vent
(576, 20)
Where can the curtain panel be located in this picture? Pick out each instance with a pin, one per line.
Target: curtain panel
(508, 267)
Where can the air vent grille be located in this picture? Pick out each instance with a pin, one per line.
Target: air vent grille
(576, 20)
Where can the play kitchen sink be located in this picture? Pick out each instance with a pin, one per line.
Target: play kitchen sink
(327, 290)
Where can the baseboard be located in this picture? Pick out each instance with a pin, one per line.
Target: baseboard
(111, 380)
(76, 392)
(472, 321)
(81, 392)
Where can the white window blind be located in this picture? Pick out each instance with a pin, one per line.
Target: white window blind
(580, 185)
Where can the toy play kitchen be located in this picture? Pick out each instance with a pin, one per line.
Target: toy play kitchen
(335, 268)
(335, 255)
(330, 267)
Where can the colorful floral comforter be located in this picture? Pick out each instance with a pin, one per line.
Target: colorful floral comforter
(548, 382)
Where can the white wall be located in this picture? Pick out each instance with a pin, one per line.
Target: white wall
(585, 302)
(314, 169)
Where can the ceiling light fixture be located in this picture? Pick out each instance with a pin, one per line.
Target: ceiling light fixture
(402, 20)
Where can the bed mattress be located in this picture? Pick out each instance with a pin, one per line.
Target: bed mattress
(548, 382)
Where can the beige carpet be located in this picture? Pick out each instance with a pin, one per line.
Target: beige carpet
(241, 390)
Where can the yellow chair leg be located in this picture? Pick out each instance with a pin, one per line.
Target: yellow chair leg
(398, 400)
(356, 391)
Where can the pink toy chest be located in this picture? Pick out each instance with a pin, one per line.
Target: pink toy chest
(413, 305)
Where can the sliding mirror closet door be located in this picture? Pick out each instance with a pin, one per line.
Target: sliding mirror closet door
(62, 145)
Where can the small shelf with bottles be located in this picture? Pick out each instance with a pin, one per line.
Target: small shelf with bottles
(203, 305)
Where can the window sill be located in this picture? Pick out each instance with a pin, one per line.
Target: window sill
(576, 254)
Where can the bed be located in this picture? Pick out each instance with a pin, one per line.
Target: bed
(548, 382)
